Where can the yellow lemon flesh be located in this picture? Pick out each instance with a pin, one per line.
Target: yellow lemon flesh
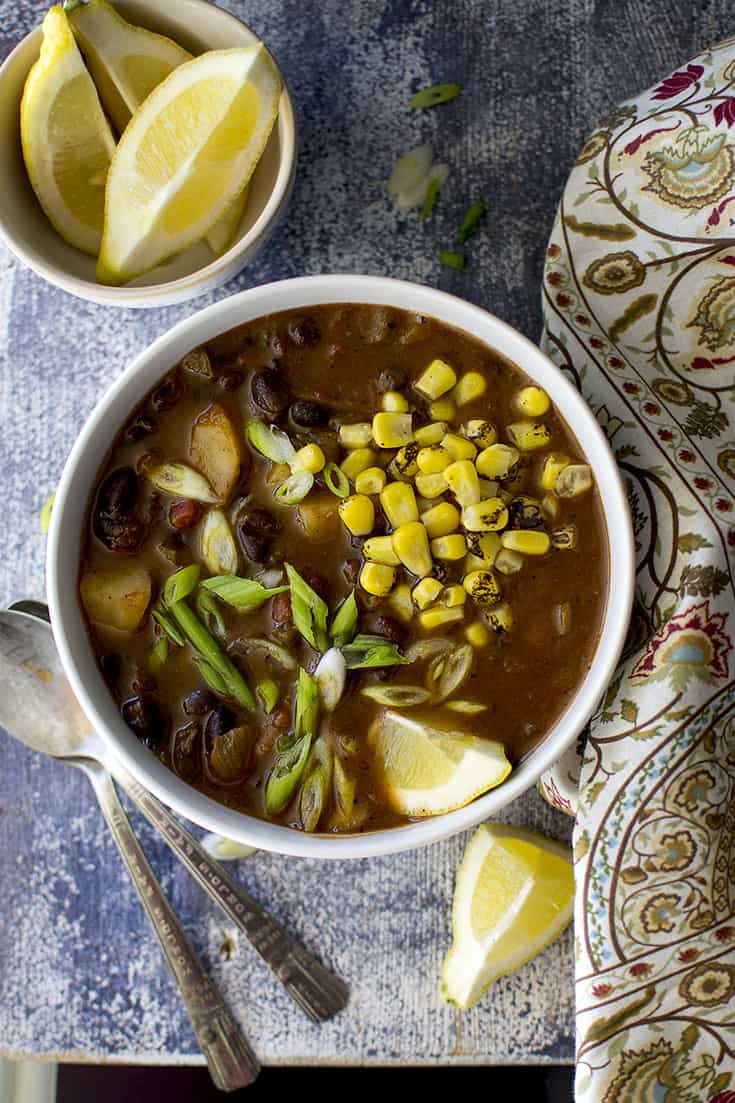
(514, 896)
(185, 157)
(66, 139)
(425, 771)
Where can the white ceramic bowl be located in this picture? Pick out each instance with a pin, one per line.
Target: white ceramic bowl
(92, 447)
(26, 231)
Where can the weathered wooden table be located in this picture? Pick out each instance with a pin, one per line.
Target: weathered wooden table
(81, 977)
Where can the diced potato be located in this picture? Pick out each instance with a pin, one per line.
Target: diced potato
(214, 450)
(319, 517)
(117, 598)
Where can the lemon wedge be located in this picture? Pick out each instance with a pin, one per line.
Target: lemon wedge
(186, 155)
(514, 896)
(66, 139)
(425, 771)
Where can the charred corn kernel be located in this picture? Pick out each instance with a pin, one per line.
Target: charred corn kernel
(440, 571)
(482, 586)
(399, 504)
(554, 464)
(472, 385)
(490, 515)
(463, 482)
(480, 432)
(564, 538)
(395, 403)
(443, 409)
(508, 562)
(426, 592)
(525, 513)
(355, 436)
(574, 480)
(441, 519)
(377, 579)
(533, 401)
(403, 465)
(309, 458)
(484, 546)
(459, 447)
(439, 616)
(431, 433)
(400, 602)
(358, 514)
(474, 563)
(392, 430)
(449, 547)
(357, 461)
(526, 541)
(477, 634)
(379, 549)
(528, 435)
(453, 595)
(411, 545)
(371, 480)
(500, 617)
(431, 486)
(436, 380)
(433, 459)
(549, 507)
(496, 461)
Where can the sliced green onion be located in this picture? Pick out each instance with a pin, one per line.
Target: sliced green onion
(214, 658)
(294, 751)
(307, 705)
(219, 550)
(315, 789)
(180, 584)
(437, 93)
(241, 593)
(336, 480)
(410, 169)
(295, 488)
(344, 624)
(309, 611)
(451, 259)
(471, 221)
(424, 649)
(267, 693)
(163, 620)
(44, 518)
(214, 680)
(452, 671)
(432, 190)
(158, 655)
(371, 651)
(331, 677)
(468, 708)
(177, 478)
(345, 787)
(397, 697)
(210, 612)
(271, 442)
(274, 650)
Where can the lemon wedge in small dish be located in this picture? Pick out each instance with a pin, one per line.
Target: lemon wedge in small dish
(425, 771)
(66, 139)
(514, 896)
(185, 158)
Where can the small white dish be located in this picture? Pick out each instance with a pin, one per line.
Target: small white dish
(25, 230)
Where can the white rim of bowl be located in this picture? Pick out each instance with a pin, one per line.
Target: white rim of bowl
(294, 294)
(185, 286)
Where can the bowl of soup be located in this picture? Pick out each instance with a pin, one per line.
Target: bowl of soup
(339, 565)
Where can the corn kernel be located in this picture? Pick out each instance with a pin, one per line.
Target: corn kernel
(379, 549)
(459, 447)
(533, 401)
(508, 562)
(433, 459)
(309, 458)
(443, 409)
(431, 486)
(357, 461)
(404, 465)
(549, 507)
(484, 546)
(449, 547)
(528, 435)
(392, 430)
(474, 563)
(472, 385)
(554, 464)
(477, 634)
(400, 602)
(358, 514)
(436, 380)
(431, 433)
(426, 592)
(395, 403)
(489, 515)
(500, 617)
(527, 541)
(497, 460)
(463, 482)
(564, 538)
(482, 587)
(441, 519)
(573, 480)
(481, 433)
(439, 616)
(399, 503)
(411, 545)
(453, 595)
(370, 481)
(377, 579)
(355, 436)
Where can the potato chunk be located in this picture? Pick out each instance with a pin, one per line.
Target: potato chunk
(117, 598)
(215, 450)
(319, 518)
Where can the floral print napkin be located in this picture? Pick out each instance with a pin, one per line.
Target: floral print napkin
(639, 304)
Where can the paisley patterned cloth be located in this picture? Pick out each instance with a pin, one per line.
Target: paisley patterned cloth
(639, 304)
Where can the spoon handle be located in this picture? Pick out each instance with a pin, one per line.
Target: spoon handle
(232, 1063)
(316, 991)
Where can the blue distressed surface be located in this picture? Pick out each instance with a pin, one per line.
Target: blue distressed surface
(80, 974)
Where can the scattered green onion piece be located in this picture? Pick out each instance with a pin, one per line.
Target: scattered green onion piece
(180, 584)
(315, 789)
(163, 620)
(471, 221)
(307, 705)
(432, 192)
(219, 550)
(158, 655)
(177, 478)
(295, 488)
(371, 651)
(344, 623)
(44, 518)
(241, 593)
(271, 442)
(331, 678)
(345, 787)
(274, 650)
(210, 612)
(425, 649)
(294, 751)
(437, 93)
(268, 694)
(336, 480)
(451, 259)
(309, 611)
(455, 670)
(214, 680)
(397, 697)
(468, 708)
(209, 650)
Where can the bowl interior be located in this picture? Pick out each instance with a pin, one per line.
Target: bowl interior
(197, 26)
(90, 452)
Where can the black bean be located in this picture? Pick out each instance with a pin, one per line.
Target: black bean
(270, 391)
(308, 415)
(254, 547)
(167, 393)
(281, 612)
(143, 426)
(186, 752)
(222, 719)
(118, 494)
(388, 627)
(256, 529)
(120, 536)
(199, 702)
(304, 332)
(145, 719)
(392, 379)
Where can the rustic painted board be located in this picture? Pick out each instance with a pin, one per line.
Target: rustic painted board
(81, 977)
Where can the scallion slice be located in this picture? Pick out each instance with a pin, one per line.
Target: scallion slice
(471, 221)
(295, 488)
(451, 259)
(437, 93)
(336, 480)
